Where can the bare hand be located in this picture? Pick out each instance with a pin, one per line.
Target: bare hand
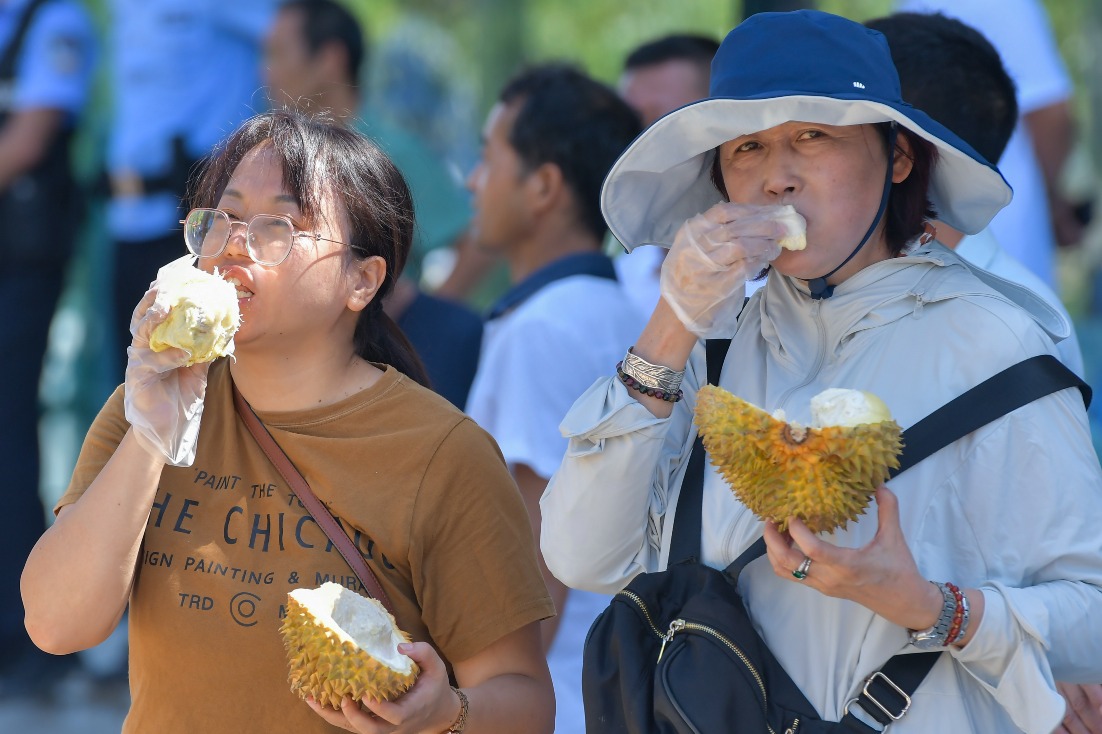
(1084, 714)
(881, 576)
(429, 707)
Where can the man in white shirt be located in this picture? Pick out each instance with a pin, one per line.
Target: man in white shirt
(659, 76)
(565, 320)
(1039, 217)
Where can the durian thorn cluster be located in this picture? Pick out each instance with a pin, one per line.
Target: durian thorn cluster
(825, 476)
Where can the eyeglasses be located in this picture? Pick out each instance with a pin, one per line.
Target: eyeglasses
(268, 237)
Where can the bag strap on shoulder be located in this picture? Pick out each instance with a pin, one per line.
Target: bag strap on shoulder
(314, 506)
(685, 543)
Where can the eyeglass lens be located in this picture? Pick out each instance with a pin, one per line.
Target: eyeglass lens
(207, 231)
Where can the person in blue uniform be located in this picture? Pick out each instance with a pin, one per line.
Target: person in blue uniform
(46, 59)
(183, 73)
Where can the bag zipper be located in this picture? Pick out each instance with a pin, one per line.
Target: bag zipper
(646, 612)
(678, 625)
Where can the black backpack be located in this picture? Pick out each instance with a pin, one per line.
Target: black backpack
(676, 651)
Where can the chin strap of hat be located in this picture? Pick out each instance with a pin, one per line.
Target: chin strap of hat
(819, 287)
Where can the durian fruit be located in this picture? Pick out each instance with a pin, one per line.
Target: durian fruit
(824, 474)
(203, 314)
(342, 644)
(795, 226)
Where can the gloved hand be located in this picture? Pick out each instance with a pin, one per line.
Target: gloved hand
(713, 255)
(163, 399)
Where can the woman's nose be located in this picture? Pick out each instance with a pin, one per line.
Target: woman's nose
(781, 176)
(237, 242)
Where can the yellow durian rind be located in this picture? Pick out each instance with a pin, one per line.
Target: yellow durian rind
(328, 669)
(826, 479)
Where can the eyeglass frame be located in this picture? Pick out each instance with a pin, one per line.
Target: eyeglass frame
(295, 232)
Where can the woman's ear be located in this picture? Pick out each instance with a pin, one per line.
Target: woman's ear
(367, 278)
(904, 159)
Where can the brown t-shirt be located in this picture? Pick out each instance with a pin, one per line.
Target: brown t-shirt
(423, 491)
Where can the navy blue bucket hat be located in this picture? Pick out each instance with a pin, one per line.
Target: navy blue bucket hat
(805, 66)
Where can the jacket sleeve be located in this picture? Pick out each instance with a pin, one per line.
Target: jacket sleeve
(1041, 619)
(603, 510)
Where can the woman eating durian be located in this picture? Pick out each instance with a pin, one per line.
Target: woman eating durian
(191, 528)
(989, 550)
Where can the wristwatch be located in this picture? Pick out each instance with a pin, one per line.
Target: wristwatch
(935, 637)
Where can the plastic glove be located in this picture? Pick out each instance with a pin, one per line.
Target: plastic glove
(163, 399)
(713, 255)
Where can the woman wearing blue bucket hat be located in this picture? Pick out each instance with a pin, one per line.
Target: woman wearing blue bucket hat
(805, 112)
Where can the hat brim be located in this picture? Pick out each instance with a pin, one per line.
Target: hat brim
(664, 176)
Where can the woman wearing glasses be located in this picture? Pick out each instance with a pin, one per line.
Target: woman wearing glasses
(312, 225)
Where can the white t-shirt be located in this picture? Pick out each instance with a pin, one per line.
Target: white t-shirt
(536, 360)
(1019, 30)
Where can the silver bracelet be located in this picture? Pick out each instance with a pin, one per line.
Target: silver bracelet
(937, 636)
(654, 376)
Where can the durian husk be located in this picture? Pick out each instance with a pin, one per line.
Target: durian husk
(824, 476)
(324, 667)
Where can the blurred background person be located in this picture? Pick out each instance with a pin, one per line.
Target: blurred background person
(183, 74)
(548, 143)
(658, 77)
(314, 60)
(1040, 217)
(951, 72)
(47, 52)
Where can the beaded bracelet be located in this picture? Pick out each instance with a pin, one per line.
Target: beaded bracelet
(961, 628)
(958, 614)
(631, 382)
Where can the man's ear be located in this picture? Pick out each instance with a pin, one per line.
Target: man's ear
(545, 186)
(367, 278)
(904, 159)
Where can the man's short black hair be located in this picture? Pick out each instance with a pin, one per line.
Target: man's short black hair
(951, 72)
(678, 47)
(327, 21)
(577, 123)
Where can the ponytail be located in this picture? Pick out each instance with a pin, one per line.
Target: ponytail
(379, 339)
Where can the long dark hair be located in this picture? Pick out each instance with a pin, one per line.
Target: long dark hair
(320, 157)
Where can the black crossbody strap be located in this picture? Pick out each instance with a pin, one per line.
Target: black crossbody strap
(1004, 393)
(685, 543)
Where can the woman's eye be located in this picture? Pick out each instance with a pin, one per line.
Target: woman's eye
(810, 134)
(747, 146)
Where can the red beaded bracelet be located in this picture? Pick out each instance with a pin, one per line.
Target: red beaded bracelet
(958, 614)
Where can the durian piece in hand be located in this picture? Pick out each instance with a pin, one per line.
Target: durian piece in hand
(203, 315)
(824, 474)
(795, 227)
(342, 644)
